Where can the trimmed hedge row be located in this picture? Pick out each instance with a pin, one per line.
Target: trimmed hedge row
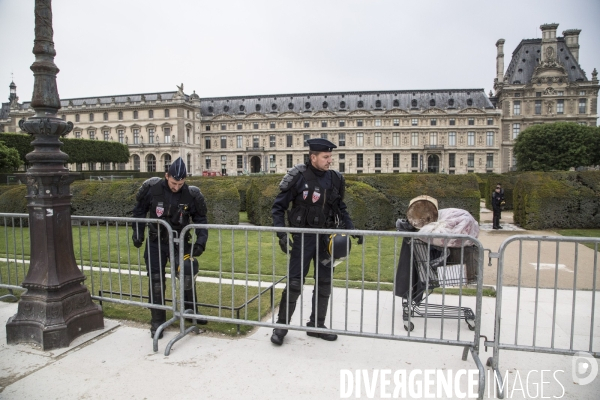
(557, 200)
(260, 197)
(451, 191)
(222, 199)
(117, 199)
(79, 150)
(362, 200)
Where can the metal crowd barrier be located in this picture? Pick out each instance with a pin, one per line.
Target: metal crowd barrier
(363, 268)
(114, 268)
(543, 263)
(12, 275)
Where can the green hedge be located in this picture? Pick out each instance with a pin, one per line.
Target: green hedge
(79, 150)
(12, 200)
(117, 199)
(242, 183)
(451, 191)
(260, 197)
(222, 199)
(362, 200)
(557, 200)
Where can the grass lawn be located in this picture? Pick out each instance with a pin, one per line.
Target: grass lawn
(133, 286)
(230, 253)
(592, 233)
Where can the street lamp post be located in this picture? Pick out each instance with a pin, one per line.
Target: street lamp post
(57, 307)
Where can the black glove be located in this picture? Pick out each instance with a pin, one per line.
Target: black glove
(359, 238)
(284, 242)
(197, 250)
(137, 242)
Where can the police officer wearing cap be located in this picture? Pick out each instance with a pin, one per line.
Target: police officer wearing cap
(317, 197)
(173, 201)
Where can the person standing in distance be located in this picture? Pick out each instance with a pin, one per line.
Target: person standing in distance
(317, 197)
(173, 201)
(497, 203)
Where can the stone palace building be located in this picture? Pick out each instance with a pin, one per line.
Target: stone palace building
(440, 131)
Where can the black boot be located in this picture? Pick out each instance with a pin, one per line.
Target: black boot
(321, 312)
(158, 317)
(286, 310)
(190, 300)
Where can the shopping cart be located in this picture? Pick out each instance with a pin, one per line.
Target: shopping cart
(437, 267)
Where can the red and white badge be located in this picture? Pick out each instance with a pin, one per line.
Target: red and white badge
(316, 196)
(159, 211)
(304, 194)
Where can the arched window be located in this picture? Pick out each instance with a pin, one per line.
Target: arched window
(451, 102)
(413, 103)
(378, 104)
(396, 103)
(258, 107)
(325, 105)
(136, 162)
(307, 105)
(469, 102)
(150, 163)
(167, 162)
(242, 108)
(432, 102)
(291, 106)
(360, 104)
(342, 104)
(274, 107)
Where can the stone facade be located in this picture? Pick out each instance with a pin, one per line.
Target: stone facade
(442, 131)
(543, 83)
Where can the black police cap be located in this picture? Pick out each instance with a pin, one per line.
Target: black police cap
(177, 170)
(320, 145)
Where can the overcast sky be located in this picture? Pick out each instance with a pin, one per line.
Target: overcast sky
(244, 47)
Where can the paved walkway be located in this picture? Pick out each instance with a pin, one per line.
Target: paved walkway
(118, 362)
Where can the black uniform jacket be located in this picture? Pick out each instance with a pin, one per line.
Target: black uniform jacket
(171, 208)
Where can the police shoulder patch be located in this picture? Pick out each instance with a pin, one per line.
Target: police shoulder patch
(292, 175)
(148, 183)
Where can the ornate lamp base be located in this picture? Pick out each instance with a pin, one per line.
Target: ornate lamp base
(52, 319)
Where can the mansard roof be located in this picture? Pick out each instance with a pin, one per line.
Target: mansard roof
(118, 99)
(310, 103)
(345, 102)
(527, 56)
(4, 110)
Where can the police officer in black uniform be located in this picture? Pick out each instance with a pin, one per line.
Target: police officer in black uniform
(317, 195)
(497, 203)
(172, 200)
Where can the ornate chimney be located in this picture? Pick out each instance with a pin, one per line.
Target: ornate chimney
(572, 41)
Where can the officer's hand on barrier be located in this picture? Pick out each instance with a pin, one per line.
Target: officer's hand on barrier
(284, 242)
(359, 239)
(197, 250)
(137, 242)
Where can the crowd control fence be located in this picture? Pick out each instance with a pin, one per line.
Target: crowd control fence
(559, 316)
(403, 286)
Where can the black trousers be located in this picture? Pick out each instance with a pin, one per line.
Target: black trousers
(496, 217)
(157, 255)
(300, 262)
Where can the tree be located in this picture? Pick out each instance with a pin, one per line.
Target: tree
(79, 150)
(9, 158)
(557, 146)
